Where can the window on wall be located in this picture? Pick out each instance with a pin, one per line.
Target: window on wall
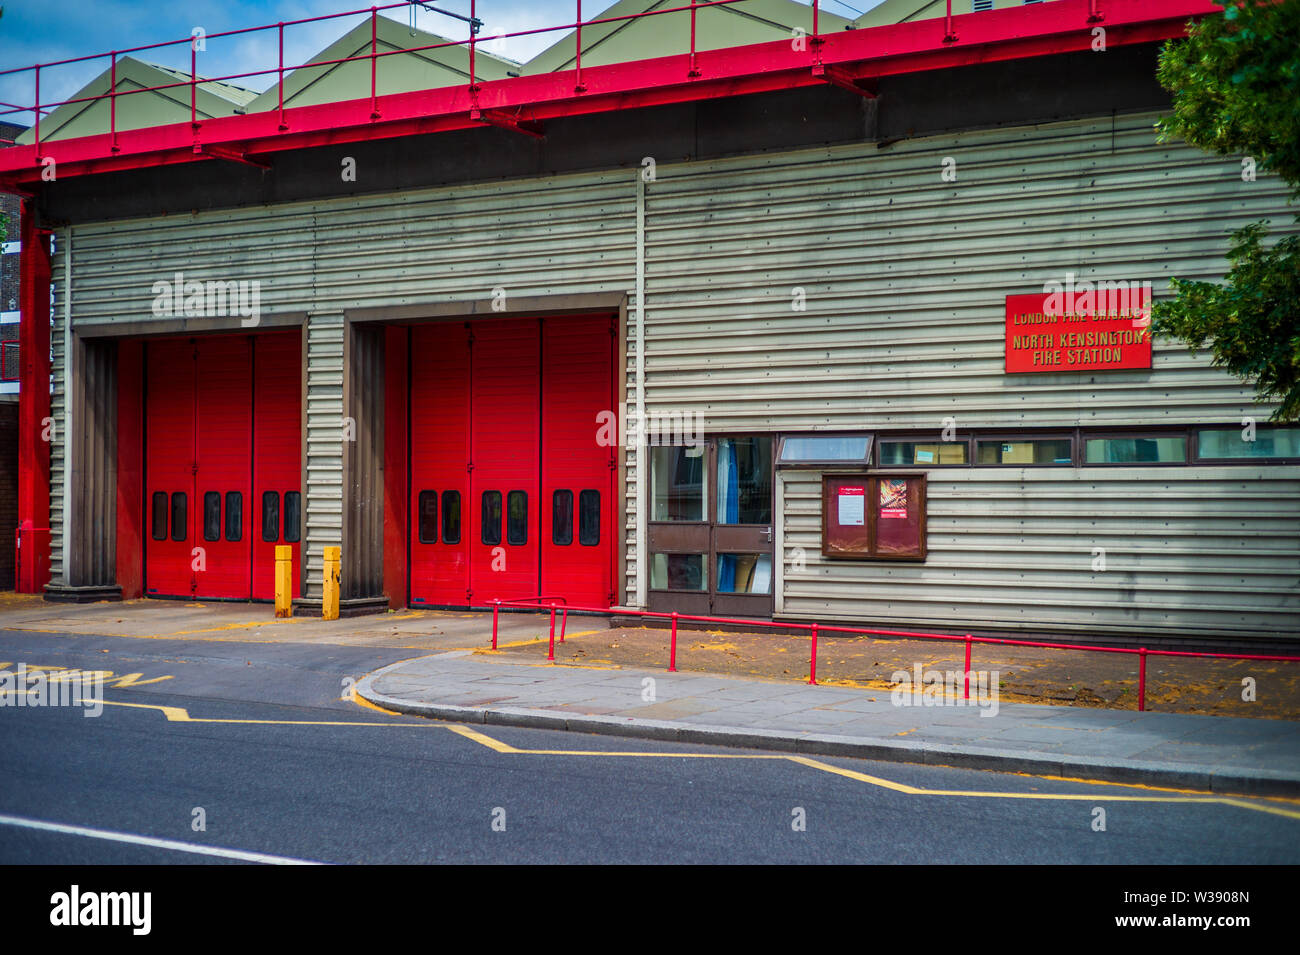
(1250, 442)
(915, 452)
(811, 450)
(744, 573)
(679, 572)
(180, 506)
(589, 518)
(158, 521)
(427, 505)
(292, 517)
(562, 518)
(491, 533)
(212, 516)
(451, 517)
(744, 481)
(1086, 447)
(677, 483)
(234, 515)
(270, 516)
(1136, 450)
(517, 517)
(1013, 451)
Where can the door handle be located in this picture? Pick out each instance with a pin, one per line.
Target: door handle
(768, 529)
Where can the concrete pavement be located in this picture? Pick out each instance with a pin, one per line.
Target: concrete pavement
(1208, 753)
(241, 622)
(1205, 753)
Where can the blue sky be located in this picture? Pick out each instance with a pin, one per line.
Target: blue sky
(42, 31)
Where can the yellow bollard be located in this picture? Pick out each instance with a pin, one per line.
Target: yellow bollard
(330, 603)
(283, 580)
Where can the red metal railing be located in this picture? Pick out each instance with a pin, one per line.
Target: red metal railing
(840, 58)
(815, 628)
(37, 108)
(529, 601)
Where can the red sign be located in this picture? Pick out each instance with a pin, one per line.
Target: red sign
(1084, 327)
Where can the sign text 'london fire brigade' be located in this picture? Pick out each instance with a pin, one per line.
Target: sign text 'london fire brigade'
(1079, 328)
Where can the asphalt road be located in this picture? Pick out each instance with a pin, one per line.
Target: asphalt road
(250, 751)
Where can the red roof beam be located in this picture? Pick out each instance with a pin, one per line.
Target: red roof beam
(1037, 30)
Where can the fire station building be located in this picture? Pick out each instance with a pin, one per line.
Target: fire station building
(816, 321)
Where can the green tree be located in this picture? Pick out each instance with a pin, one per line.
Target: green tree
(1235, 82)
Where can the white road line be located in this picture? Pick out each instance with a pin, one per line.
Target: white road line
(171, 844)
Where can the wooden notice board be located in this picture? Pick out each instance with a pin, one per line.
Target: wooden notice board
(873, 516)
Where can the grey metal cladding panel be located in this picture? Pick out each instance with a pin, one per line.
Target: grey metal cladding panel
(542, 236)
(1186, 549)
(533, 239)
(905, 275)
(116, 265)
(323, 479)
(57, 405)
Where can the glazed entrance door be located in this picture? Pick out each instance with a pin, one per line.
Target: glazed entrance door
(742, 527)
(711, 540)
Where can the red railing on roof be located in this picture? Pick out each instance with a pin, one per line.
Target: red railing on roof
(810, 59)
(195, 80)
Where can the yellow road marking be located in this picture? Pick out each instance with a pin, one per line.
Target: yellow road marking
(483, 738)
(64, 674)
(536, 640)
(513, 643)
(174, 714)
(235, 626)
(501, 747)
(177, 714)
(351, 697)
(1191, 796)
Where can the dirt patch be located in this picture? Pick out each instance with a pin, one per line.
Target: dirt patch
(1024, 675)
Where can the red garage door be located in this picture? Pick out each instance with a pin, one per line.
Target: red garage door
(577, 471)
(505, 453)
(223, 420)
(277, 452)
(221, 464)
(511, 495)
(169, 466)
(439, 355)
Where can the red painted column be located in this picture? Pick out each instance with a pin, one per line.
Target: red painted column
(33, 406)
(130, 474)
(396, 495)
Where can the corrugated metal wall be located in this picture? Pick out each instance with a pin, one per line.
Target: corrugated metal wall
(554, 236)
(323, 490)
(1111, 550)
(904, 277)
(59, 400)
